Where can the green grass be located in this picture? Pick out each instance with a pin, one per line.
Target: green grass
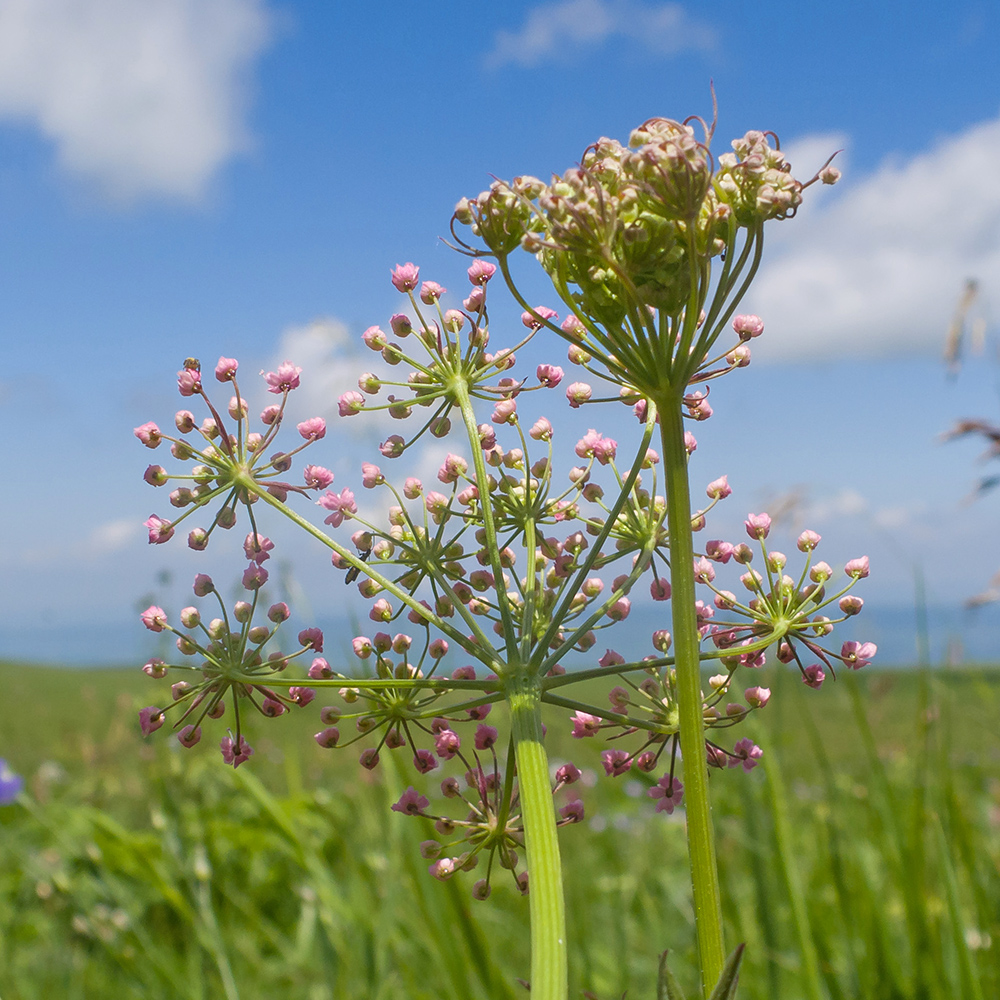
(863, 861)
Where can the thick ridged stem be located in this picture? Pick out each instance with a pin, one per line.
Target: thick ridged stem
(700, 836)
(545, 897)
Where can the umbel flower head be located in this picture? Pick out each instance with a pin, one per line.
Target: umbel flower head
(628, 238)
(229, 459)
(233, 665)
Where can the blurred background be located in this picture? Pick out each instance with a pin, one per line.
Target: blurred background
(237, 177)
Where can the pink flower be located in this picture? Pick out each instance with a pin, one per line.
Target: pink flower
(718, 551)
(150, 719)
(813, 676)
(371, 475)
(858, 568)
(690, 443)
(719, 489)
(659, 589)
(486, 736)
(447, 743)
(312, 638)
(411, 803)
(851, 605)
(235, 753)
(405, 277)
(284, 379)
(341, 506)
(257, 547)
(858, 654)
(350, 403)
(549, 375)
(312, 429)
(381, 611)
(189, 381)
(573, 811)
(328, 737)
(669, 791)
(316, 477)
(616, 762)
(430, 292)
(748, 327)
(225, 370)
(704, 571)
(578, 393)
(568, 774)
(585, 725)
(757, 697)
(148, 434)
(254, 577)
(481, 271)
(159, 530)
(154, 618)
(533, 320)
(758, 525)
(541, 430)
(611, 658)
(807, 541)
(745, 753)
(453, 467)
(189, 736)
(392, 447)
(424, 761)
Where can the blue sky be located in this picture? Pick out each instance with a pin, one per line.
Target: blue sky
(237, 177)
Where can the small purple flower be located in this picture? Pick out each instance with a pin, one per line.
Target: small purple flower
(10, 784)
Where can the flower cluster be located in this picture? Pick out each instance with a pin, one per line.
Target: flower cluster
(782, 613)
(231, 463)
(233, 664)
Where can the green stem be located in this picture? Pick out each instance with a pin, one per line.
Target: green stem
(549, 980)
(701, 841)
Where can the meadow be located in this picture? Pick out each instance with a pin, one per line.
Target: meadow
(861, 861)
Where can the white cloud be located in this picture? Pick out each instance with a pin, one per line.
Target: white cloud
(877, 269)
(563, 28)
(140, 98)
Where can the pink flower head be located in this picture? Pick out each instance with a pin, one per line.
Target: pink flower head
(585, 725)
(437, 649)
(189, 381)
(858, 568)
(813, 676)
(573, 811)
(154, 618)
(411, 803)
(312, 429)
(858, 654)
(381, 611)
(316, 477)
(748, 327)
(350, 403)
(568, 774)
(549, 375)
(851, 605)
(405, 277)
(235, 753)
(533, 320)
(704, 571)
(578, 393)
(150, 719)
(669, 791)
(659, 589)
(719, 489)
(284, 379)
(447, 743)
(371, 475)
(481, 271)
(758, 525)
(611, 658)
(745, 753)
(148, 434)
(189, 736)
(690, 443)
(341, 506)
(225, 370)
(424, 761)
(159, 530)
